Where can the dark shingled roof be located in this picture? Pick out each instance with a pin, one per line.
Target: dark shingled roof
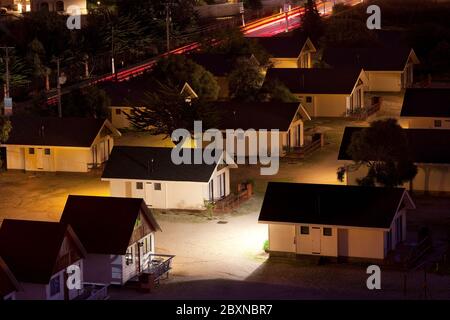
(105, 224)
(30, 248)
(283, 46)
(61, 132)
(427, 145)
(426, 102)
(315, 80)
(336, 205)
(131, 92)
(136, 163)
(217, 63)
(255, 115)
(370, 59)
(8, 283)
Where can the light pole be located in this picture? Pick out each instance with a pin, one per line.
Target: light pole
(113, 65)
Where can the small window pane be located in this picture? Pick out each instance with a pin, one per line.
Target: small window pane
(47, 152)
(139, 185)
(157, 186)
(118, 111)
(327, 232)
(437, 123)
(308, 99)
(30, 150)
(304, 230)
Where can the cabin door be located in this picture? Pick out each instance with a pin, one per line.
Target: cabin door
(40, 159)
(155, 194)
(315, 240)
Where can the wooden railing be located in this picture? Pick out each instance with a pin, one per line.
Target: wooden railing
(159, 265)
(93, 291)
(418, 252)
(232, 201)
(306, 150)
(364, 113)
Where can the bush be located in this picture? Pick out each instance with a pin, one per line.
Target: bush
(266, 245)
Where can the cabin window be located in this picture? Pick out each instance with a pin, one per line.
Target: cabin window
(139, 185)
(55, 285)
(308, 99)
(157, 186)
(437, 123)
(30, 150)
(118, 111)
(129, 256)
(327, 232)
(147, 244)
(47, 152)
(304, 230)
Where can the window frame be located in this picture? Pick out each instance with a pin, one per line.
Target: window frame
(302, 230)
(52, 285)
(129, 258)
(157, 186)
(47, 151)
(139, 186)
(31, 151)
(325, 232)
(438, 123)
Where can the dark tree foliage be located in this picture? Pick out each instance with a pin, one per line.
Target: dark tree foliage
(5, 129)
(245, 80)
(312, 24)
(276, 91)
(182, 12)
(177, 70)
(165, 110)
(253, 4)
(383, 148)
(231, 42)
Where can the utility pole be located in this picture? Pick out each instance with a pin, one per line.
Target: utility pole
(7, 99)
(242, 12)
(167, 4)
(58, 88)
(286, 15)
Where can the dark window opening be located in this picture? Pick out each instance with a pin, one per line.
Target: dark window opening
(304, 230)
